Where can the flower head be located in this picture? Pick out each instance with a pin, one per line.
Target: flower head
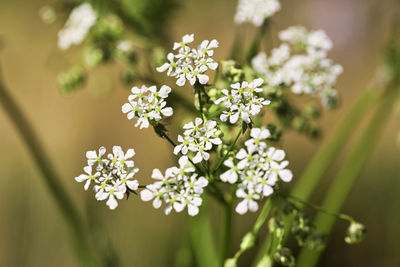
(256, 170)
(114, 174)
(81, 19)
(256, 11)
(147, 105)
(190, 64)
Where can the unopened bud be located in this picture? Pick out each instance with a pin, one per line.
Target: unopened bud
(355, 233)
(284, 257)
(230, 262)
(248, 241)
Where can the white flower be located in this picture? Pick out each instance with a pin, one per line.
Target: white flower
(301, 64)
(147, 105)
(93, 157)
(242, 101)
(114, 176)
(256, 11)
(248, 203)
(199, 137)
(81, 19)
(180, 187)
(190, 64)
(112, 193)
(256, 169)
(88, 177)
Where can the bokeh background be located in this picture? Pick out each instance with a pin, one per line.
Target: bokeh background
(32, 230)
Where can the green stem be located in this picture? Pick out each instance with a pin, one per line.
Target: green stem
(255, 44)
(50, 177)
(332, 146)
(227, 230)
(349, 172)
(227, 152)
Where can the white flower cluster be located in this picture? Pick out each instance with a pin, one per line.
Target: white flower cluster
(79, 22)
(111, 175)
(147, 105)
(256, 170)
(180, 187)
(256, 11)
(242, 101)
(190, 64)
(198, 137)
(301, 64)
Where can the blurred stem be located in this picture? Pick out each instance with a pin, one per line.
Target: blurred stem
(50, 177)
(350, 170)
(257, 225)
(227, 231)
(202, 240)
(255, 43)
(332, 146)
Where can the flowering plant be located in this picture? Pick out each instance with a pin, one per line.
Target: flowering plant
(228, 149)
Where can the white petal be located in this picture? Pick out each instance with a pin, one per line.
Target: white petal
(203, 79)
(157, 174)
(163, 68)
(157, 203)
(253, 206)
(127, 108)
(241, 208)
(133, 185)
(285, 175)
(167, 111)
(278, 155)
(197, 158)
(146, 195)
(112, 203)
(193, 210)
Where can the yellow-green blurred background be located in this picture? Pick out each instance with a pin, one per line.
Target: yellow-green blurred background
(32, 230)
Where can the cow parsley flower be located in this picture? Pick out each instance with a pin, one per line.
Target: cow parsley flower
(256, 11)
(198, 137)
(300, 63)
(79, 22)
(147, 105)
(178, 188)
(256, 170)
(242, 100)
(190, 64)
(114, 175)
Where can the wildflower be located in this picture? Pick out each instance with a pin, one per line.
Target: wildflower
(79, 22)
(242, 101)
(256, 11)
(88, 177)
(256, 169)
(190, 64)
(147, 105)
(180, 187)
(301, 64)
(114, 174)
(198, 137)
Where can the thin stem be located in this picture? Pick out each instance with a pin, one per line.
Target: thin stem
(227, 153)
(227, 230)
(320, 209)
(50, 177)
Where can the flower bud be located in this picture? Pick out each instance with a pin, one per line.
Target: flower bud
(71, 80)
(230, 262)
(92, 56)
(266, 261)
(284, 257)
(355, 233)
(248, 241)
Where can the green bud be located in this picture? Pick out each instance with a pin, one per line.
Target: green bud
(248, 241)
(71, 80)
(316, 241)
(92, 56)
(231, 262)
(284, 257)
(266, 261)
(232, 70)
(355, 233)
